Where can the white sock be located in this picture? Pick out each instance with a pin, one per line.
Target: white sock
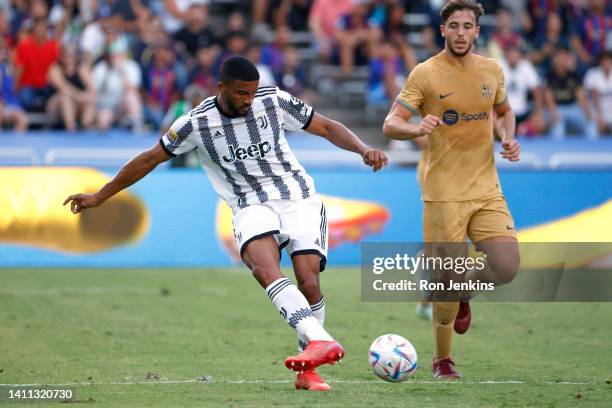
(294, 308)
(318, 311)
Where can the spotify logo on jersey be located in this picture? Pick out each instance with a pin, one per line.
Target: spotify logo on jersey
(450, 117)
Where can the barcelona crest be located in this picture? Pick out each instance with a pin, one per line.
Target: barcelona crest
(486, 91)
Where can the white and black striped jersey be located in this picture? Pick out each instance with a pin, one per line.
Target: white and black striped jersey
(247, 158)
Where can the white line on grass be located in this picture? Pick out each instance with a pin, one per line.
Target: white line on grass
(166, 382)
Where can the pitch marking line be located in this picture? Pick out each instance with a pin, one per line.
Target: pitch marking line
(417, 382)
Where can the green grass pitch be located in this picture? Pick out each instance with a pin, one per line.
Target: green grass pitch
(102, 332)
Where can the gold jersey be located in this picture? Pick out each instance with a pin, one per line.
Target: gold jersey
(460, 164)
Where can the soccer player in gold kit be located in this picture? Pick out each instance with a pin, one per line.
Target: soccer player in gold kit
(455, 93)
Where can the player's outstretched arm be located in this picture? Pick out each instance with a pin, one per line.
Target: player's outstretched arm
(396, 124)
(507, 130)
(130, 173)
(345, 139)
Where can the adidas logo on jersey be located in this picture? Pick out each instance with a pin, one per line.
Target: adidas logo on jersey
(253, 151)
(217, 135)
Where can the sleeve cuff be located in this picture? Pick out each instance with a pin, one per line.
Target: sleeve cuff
(405, 105)
(168, 152)
(312, 112)
(502, 101)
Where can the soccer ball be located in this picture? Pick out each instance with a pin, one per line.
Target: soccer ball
(393, 358)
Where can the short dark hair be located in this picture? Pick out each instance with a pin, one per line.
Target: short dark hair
(238, 68)
(456, 5)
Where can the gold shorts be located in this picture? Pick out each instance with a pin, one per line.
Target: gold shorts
(453, 221)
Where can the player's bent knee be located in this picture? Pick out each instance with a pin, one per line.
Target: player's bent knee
(445, 322)
(266, 273)
(310, 288)
(506, 270)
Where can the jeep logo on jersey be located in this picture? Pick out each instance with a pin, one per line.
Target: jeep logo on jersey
(252, 151)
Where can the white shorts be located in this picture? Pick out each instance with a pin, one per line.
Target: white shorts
(300, 226)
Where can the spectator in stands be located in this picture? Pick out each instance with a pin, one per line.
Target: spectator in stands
(5, 30)
(128, 13)
(294, 13)
(598, 83)
(174, 13)
(504, 35)
(566, 100)
(66, 21)
(10, 109)
(292, 77)
(591, 30)
(117, 79)
(539, 10)
(236, 43)
(387, 72)
(395, 30)
(33, 57)
(545, 44)
(192, 97)
(150, 33)
(164, 79)
(74, 90)
(87, 10)
(203, 72)
(323, 20)
(36, 10)
(236, 22)
(267, 14)
(196, 33)
(522, 80)
(100, 34)
(429, 44)
(266, 77)
(272, 54)
(18, 14)
(356, 37)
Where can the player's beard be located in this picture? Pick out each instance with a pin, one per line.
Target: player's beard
(234, 109)
(459, 54)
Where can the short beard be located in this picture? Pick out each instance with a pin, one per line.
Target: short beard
(463, 54)
(231, 107)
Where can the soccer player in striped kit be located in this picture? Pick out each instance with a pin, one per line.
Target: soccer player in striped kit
(240, 135)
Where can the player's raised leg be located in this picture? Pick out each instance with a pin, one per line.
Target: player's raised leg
(492, 229)
(306, 268)
(503, 260)
(262, 257)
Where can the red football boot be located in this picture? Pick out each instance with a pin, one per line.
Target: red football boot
(310, 380)
(444, 369)
(317, 352)
(463, 318)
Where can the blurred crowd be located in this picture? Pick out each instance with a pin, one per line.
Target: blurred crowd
(139, 64)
